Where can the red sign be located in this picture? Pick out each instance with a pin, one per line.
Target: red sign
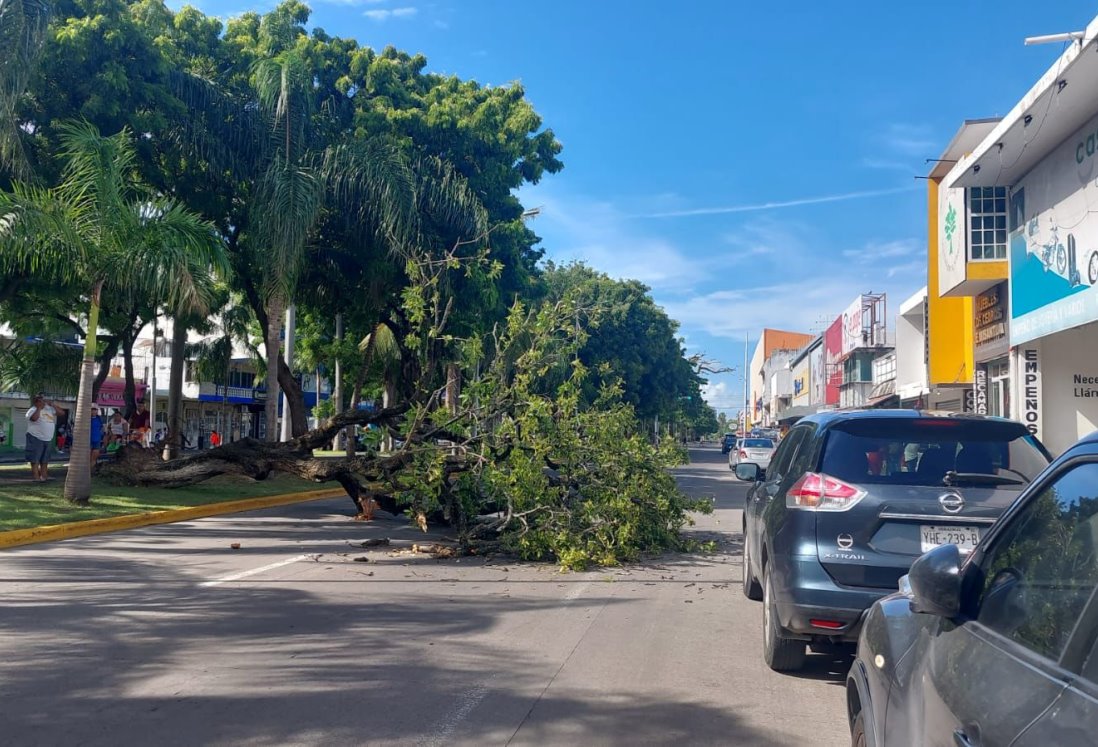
(833, 372)
(112, 393)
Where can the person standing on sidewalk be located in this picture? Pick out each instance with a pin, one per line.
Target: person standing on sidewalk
(41, 423)
(96, 435)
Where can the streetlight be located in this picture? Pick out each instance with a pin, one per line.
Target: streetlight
(1054, 38)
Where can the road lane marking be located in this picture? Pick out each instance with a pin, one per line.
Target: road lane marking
(444, 730)
(254, 571)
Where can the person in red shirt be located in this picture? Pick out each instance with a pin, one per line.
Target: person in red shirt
(215, 438)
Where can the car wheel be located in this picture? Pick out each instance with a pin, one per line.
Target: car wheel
(781, 654)
(857, 731)
(751, 588)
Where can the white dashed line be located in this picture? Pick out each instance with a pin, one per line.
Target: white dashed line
(254, 571)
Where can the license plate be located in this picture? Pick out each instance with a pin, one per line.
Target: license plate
(964, 537)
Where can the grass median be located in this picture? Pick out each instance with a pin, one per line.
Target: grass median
(25, 504)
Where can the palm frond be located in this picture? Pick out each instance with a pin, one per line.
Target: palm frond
(285, 210)
(373, 182)
(223, 130)
(445, 195)
(283, 87)
(178, 253)
(43, 234)
(23, 25)
(98, 168)
(39, 366)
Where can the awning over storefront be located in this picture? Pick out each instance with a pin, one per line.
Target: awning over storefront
(883, 395)
(1056, 106)
(111, 394)
(791, 415)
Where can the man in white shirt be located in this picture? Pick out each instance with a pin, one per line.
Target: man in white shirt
(41, 425)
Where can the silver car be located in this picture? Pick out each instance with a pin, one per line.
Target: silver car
(751, 450)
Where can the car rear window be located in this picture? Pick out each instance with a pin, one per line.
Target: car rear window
(922, 451)
(758, 443)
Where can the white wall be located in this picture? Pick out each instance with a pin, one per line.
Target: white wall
(1067, 414)
(911, 378)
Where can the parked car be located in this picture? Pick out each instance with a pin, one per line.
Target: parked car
(852, 498)
(999, 646)
(727, 442)
(755, 450)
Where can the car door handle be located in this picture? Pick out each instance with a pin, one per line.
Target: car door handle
(960, 739)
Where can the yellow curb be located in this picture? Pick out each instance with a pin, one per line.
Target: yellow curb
(53, 532)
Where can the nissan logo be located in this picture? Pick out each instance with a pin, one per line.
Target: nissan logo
(951, 503)
(844, 541)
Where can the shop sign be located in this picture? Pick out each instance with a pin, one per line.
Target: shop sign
(1086, 387)
(1031, 390)
(991, 323)
(833, 369)
(1054, 241)
(979, 389)
(853, 327)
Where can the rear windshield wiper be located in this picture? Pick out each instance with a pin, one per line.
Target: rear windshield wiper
(978, 478)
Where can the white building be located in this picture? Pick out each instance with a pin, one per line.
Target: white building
(1034, 179)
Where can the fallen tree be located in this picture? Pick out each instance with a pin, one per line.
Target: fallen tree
(510, 463)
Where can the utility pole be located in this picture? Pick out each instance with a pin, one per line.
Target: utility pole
(746, 391)
(291, 328)
(337, 394)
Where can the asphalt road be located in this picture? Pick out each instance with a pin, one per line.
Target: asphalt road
(166, 635)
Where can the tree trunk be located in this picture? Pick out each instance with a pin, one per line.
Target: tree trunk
(78, 478)
(388, 397)
(129, 393)
(175, 390)
(274, 328)
(453, 387)
(295, 398)
(110, 350)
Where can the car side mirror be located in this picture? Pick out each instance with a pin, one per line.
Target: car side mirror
(748, 472)
(935, 581)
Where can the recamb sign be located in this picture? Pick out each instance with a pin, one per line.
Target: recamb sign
(833, 370)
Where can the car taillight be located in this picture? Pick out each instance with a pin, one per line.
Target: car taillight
(816, 492)
(743, 454)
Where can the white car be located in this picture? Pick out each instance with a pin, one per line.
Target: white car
(753, 451)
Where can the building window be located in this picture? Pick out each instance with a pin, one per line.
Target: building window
(998, 400)
(987, 223)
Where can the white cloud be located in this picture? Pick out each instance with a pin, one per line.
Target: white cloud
(384, 14)
(897, 248)
(802, 305)
(601, 236)
(910, 140)
(776, 204)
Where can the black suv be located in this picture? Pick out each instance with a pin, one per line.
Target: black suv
(850, 499)
(998, 648)
(727, 442)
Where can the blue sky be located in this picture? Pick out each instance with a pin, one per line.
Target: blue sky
(684, 124)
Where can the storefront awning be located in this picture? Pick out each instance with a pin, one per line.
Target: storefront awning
(1056, 106)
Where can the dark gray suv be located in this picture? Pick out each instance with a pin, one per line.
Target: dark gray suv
(852, 498)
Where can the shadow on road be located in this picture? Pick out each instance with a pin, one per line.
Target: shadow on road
(111, 664)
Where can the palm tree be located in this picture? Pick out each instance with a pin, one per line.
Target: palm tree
(101, 229)
(22, 31)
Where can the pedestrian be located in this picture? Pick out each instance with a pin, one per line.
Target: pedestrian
(96, 434)
(117, 430)
(215, 439)
(139, 423)
(41, 423)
